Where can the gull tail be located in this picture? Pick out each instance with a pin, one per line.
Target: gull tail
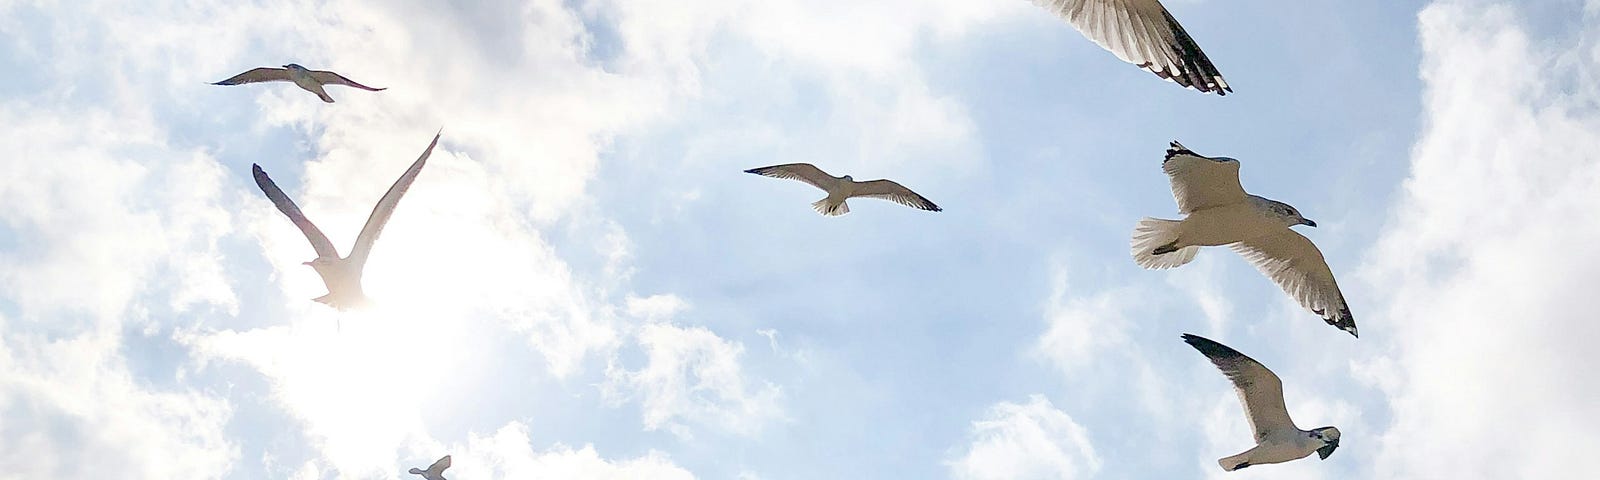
(831, 209)
(1154, 242)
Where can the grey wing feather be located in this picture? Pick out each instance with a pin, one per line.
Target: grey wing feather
(895, 192)
(1297, 266)
(385, 207)
(1200, 182)
(804, 172)
(319, 242)
(1143, 33)
(440, 465)
(329, 78)
(1260, 390)
(256, 75)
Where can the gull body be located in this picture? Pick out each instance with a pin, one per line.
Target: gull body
(1219, 212)
(840, 189)
(1260, 392)
(435, 471)
(342, 275)
(1144, 33)
(308, 80)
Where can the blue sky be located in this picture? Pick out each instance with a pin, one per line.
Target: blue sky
(583, 284)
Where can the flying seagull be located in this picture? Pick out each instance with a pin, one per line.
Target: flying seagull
(342, 276)
(1143, 33)
(843, 188)
(1219, 212)
(310, 80)
(435, 471)
(1277, 439)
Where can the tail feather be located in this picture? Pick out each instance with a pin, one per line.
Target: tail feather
(1152, 234)
(830, 209)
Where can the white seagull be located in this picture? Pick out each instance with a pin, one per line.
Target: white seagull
(842, 188)
(310, 80)
(1277, 439)
(435, 471)
(342, 276)
(1143, 33)
(1219, 212)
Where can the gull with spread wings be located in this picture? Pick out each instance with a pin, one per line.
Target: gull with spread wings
(1143, 33)
(1261, 393)
(1219, 212)
(843, 188)
(342, 276)
(435, 471)
(310, 80)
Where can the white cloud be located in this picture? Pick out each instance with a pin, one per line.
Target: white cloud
(691, 374)
(508, 454)
(1487, 263)
(1027, 441)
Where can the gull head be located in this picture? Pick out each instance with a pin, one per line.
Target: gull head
(1286, 213)
(294, 66)
(1330, 441)
(416, 471)
(847, 178)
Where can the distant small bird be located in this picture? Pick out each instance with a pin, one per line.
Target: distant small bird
(1219, 212)
(342, 276)
(1141, 32)
(1261, 393)
(435, 471)
(842, 188)
(310, 80)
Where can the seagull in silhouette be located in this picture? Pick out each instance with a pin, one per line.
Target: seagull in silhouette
(1261, 393)
(435, 471)
(1143, 33)
(1219, 212)
(310, 80)
(342, 276)
(842, 188)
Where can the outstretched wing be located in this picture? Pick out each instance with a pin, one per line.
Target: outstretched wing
(1259, 389)
(385, 208)
(895, 192)
(1200, 182)
(1296, 265)
(439, 465)
(329, 78)
(256, 75)
(804, 172)
(1143, 33)
(319, 242)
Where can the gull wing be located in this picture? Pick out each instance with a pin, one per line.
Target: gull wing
(804, 172)
(1200, 182)
(257, 75)
(894, 192)
(385, 208)
(1143, 33)
(1259, 389)
(1296, 265)
(329, 78)
(319, 242)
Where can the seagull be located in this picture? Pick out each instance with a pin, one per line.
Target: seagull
(310, 80)
(843, 188)
(435, 471)
(1143, 33)
(1277, 439)
(1219, 212)
(342, 276)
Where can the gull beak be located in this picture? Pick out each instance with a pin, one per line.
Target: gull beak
(1308, 222)
(1327, 449)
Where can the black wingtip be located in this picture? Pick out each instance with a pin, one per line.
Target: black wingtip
(1208, 346)
(756, 170)
(1174, 149)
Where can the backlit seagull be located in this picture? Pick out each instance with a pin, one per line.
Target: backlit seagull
(1277, 439)
(842, 188)
(1219, 212)
(342, 276)
(1141, 32)
(310, 80)
(435, 471)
